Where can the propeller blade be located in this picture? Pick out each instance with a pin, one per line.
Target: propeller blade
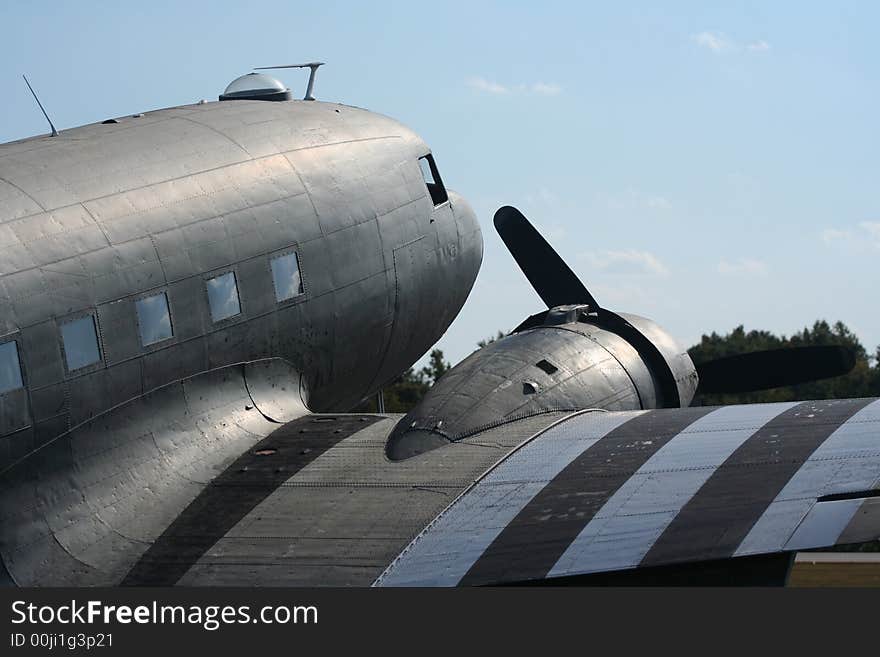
(551, 278)
(760, 370)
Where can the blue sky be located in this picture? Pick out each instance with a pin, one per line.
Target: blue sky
(702, 165)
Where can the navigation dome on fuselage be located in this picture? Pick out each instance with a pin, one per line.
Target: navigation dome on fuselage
(256, 86)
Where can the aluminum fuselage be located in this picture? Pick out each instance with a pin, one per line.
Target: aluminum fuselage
(103, 215)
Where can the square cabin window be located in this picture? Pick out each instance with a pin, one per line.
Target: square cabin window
(223, 296)
(286, 277)
(80, 341)
(432, 180)
(154, 319)
(10, 367)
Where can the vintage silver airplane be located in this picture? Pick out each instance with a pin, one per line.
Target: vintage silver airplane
(191, 298)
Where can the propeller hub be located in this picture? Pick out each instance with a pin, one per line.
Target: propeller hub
(567, 314)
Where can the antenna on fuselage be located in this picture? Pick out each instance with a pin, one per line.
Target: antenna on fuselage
(54, 131)
(311, 65)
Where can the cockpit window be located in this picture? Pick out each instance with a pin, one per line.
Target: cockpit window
(432, 180)
(10, 367)
(80, 340)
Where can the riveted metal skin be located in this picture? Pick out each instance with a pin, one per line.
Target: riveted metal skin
(82, 508)
(590, 366)
(237, 491)
(276, 389)
(106, 214)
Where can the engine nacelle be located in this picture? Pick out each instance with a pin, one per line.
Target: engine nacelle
(564, 359)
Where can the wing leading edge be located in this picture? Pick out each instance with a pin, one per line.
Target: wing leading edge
(605, 492)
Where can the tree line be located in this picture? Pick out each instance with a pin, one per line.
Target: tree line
(862, 381)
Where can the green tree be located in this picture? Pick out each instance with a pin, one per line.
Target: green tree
(485, 342)
(436, 367)
(407, 390)
(862, 381)
(400, 395)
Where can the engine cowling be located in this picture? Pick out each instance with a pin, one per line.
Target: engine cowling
(565, 359)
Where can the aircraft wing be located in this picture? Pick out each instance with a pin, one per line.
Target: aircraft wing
(615, 491)
(214, 482)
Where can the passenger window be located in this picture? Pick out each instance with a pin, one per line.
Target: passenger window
(154, 320)
(286, 276)
(10, 367)
(80, 340)
(432, 180)
(223, 296)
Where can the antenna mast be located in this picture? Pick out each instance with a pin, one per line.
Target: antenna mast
(54, 131)
(311, 65)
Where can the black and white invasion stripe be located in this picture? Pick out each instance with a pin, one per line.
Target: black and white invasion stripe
(608, 491)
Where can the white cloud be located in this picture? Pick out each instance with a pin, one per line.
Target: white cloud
(830, 235)
(632, 199)
(719, 42)
(546, 89)
(542, 206)
(629, 261)
(553, 233)
(714, 41)
(873, 229)
(857, 238)
(543, 196)
(491, 87)
(742, 267)
(621, 293)
(659, 203)
(481, 84)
